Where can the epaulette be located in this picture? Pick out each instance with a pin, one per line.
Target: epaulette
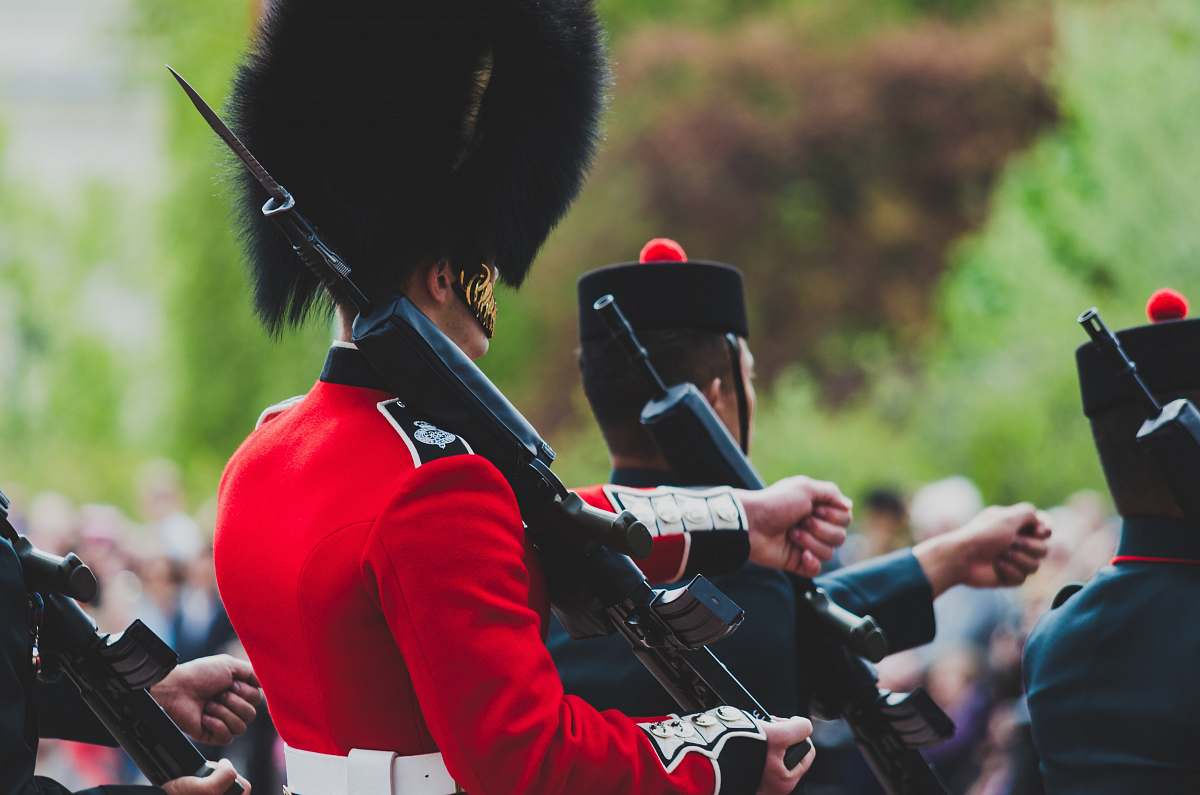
(277, 408)
(1065, 593)
(425, 441)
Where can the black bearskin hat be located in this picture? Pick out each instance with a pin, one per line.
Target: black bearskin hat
(411, 132)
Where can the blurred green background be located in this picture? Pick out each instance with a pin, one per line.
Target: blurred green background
(923, 194)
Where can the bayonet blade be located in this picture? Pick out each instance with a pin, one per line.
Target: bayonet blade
(235, 144)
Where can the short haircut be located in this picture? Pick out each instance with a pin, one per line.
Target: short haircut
(617, 393)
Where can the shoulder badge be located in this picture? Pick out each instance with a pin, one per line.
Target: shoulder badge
(1065, 593)
(278, 408)
(426, 442)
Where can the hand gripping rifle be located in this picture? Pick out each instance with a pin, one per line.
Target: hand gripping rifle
(113, 673)
(888, 727)
(595, 588)
(1170, 436)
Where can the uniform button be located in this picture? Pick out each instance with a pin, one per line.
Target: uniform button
(669, 514)
(704, 720)
(695, 516)
(659, 730)
(729, 714)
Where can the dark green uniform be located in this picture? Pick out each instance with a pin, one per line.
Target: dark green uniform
(29, 709)
(1113, 672)
(765, 652)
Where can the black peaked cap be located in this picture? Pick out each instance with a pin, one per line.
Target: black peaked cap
(1167, 355)
(411, 132)
(706, 296)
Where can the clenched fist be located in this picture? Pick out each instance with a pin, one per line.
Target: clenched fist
(1000, 547)
(217, 783)
(212, 699)
(796, 523)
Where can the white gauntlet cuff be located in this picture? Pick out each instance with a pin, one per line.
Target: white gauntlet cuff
(703, 733)
(669, 510)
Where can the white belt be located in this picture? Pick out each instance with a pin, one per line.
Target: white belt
(366, 773)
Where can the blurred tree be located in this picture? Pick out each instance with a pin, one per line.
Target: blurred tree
(836, 176)
(223, 369)
(842, 153)
(1099, 211)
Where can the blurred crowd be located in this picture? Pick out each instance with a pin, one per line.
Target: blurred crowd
(157, 567)
(973, 667)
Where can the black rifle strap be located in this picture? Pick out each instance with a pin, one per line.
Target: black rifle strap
(739, 386)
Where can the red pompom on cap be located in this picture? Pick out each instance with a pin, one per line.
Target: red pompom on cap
(1166, 304)
(662, 249)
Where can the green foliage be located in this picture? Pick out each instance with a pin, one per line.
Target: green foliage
(622, 16)
(1100, 212)
(223, 368)
(980, 381)
(66, 370)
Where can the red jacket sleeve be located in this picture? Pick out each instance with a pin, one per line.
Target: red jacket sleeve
(449, 560)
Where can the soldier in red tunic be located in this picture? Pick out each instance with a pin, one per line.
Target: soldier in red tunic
(378, 572)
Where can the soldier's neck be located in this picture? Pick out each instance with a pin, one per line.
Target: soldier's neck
(655, 462)
(343, 329)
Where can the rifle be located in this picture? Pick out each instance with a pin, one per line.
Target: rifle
(595, 588)
(113, 673)
(888, 727)
(1170, 436)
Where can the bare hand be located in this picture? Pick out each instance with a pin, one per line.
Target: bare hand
(212, 699)
(777, 779)
(217, 783)
(1000, 547)
(796, 523)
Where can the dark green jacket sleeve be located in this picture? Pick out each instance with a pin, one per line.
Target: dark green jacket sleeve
(18, 733)
(892, 588)
(19, 689)
(62, 715)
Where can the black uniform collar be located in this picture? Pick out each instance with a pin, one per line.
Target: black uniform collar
(346, 365)
(642, 478)
(1159, 538)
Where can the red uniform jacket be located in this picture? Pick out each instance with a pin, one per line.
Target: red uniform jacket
(392, 605)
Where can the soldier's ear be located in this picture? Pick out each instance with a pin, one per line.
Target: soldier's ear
(713, 394)
(439, 282)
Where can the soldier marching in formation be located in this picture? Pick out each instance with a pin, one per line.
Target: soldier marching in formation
(379, 572)
(691, 316)
(379, 577)
(1124, 645)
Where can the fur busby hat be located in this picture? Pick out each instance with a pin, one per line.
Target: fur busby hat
(416, 132)
(664, 290)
